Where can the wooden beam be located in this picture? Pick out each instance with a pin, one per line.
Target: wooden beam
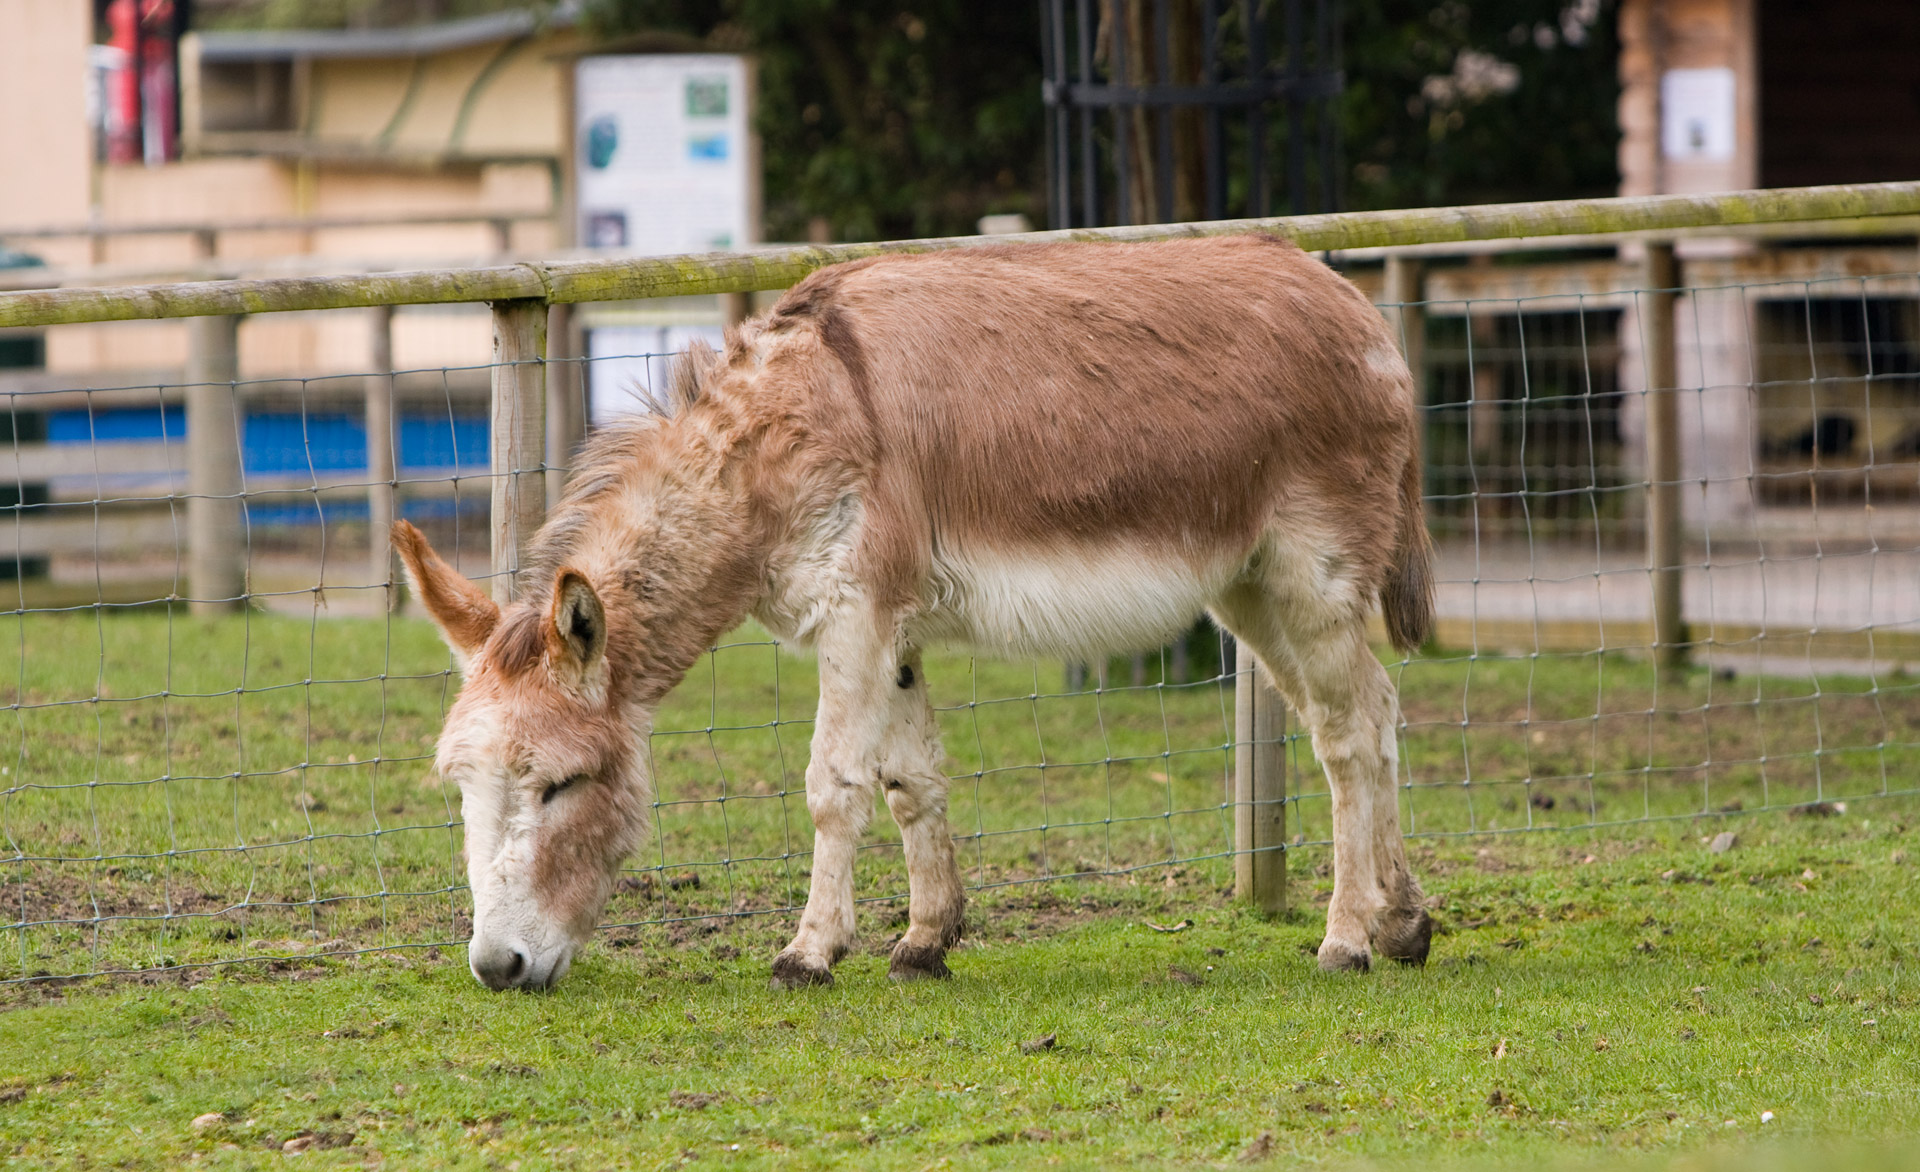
(778, 268)
(216, 539)
(518, 448)
(1657, 301)
(382, 450)
(1259, 788)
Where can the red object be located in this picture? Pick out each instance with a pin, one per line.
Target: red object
(142, 122)
(123, 87)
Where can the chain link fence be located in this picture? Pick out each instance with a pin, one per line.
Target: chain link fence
(219, 729)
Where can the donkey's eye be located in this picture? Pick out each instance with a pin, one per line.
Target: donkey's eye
(546, 795)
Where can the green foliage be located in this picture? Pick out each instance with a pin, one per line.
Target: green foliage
(890, 118)
(886, 118)
(901, 118)
(1415, 136)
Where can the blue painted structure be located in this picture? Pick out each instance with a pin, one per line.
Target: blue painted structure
(431, 445)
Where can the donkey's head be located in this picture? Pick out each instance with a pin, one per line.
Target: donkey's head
(552, 784)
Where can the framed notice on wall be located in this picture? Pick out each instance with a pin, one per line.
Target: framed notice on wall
(1698, 117)
(662, 159)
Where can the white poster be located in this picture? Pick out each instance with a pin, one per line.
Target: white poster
(1697, 114)
(628, 366)
(661, 153)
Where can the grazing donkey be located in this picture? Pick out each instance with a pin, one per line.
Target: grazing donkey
(1047, 449)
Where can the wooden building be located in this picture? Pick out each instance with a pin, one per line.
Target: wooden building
(1801, 381)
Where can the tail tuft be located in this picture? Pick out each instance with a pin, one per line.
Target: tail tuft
(1406, 601)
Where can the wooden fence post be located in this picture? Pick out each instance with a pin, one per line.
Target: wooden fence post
(1259, 787)
(517, 450)
(566, 397)
(382, 453)
(1670, 643)
(216, 559)
(1406, 294)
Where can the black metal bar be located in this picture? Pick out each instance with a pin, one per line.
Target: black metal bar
(1050, 96)
(1235, 93)
(1216, 162)
(1259, 191)
(1163, 117)
(1137, 82)
(1089, 172)
(1122, 131)
(1296, 111)
(1328, 15)
(1062, 121)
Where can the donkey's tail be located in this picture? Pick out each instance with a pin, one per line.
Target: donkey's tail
(1406, 601)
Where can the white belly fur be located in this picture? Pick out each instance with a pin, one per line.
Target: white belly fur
(1066, 603)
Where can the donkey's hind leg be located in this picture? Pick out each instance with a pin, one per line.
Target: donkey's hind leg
(916, 789)
(1316, 651)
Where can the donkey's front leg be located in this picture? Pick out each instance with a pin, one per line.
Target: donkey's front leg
(840, 801)
(859, 735)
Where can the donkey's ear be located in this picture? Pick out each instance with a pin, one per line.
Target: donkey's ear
(579, 623)
(465, 614)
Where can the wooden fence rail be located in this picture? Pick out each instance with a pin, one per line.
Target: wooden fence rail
(778, 268)
(209, 228)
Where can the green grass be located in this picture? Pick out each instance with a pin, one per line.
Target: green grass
(1653, 1001)
(180, 792)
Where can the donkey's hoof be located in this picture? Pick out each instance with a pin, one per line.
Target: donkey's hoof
(793, 971)
(1343, 958)
(917, 963)
(1406, 936)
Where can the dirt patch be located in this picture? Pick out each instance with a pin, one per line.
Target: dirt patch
(61, 897)
(694, 1100)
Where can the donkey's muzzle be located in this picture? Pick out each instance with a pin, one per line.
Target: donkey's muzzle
(499, 966)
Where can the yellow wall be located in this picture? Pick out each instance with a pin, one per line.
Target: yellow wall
(514, 118)
(45, 148)
(512, 92)
(243, 189)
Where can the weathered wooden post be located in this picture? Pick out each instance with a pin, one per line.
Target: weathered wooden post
(1406, 295)
(216, 559)
(517, 450)
(1663, 455)
(1259, 787)
(382, 458)
(566, 396)
(1485, 408)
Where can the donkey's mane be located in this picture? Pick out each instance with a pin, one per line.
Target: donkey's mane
(521, 640)
(599, 467)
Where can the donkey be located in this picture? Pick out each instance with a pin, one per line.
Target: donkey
(1032, 450)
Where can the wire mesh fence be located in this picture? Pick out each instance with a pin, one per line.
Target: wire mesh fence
(180, 787)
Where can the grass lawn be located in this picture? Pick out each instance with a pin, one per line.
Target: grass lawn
(1657, 999)
(178, 792)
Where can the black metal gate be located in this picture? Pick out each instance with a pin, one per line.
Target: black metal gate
(1170, 110)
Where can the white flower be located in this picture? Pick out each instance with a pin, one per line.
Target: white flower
(1476, 77)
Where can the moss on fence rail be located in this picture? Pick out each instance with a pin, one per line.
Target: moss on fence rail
(674, 276)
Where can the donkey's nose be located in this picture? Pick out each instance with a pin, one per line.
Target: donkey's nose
(499, 966)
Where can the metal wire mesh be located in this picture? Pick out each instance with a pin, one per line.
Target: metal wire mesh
(1799, 427)
(182, 789)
